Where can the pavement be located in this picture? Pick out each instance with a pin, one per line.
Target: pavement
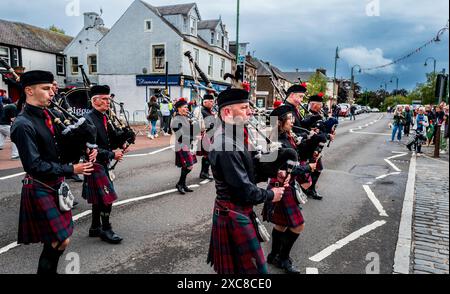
(354, 230)
(430, 242)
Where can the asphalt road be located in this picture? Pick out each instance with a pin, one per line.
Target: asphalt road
(169, 233)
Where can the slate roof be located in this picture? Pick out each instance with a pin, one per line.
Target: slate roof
(208, 24)
(176, 9)
(31, 37)
(305, 76)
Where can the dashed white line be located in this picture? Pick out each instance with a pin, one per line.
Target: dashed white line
(388, 175)
(148, 154)
(341, 243)
(375, 201)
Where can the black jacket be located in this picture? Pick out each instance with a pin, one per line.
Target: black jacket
(105, 154)
(38, 148)
(234, 172)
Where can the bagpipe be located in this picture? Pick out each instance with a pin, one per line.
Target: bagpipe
(120, 133)
(75, 134)
(276, 156)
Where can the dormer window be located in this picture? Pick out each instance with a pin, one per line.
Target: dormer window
(193, 26)
(213, 36)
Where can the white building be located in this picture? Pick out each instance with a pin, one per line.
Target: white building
(27, 47)
(132, 56)
(83, 50)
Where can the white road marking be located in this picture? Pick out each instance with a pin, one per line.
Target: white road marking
(368, 133)
(388, 175)
(393, 165)
(341, 243)
(205, 182)
(375, 201)
(89, 212)
(148, 154)
(401, 154)
(312, 271)
(403, 250)
(9, 247)
(12, 176)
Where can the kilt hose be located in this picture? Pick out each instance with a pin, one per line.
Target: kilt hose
(184, 158)
(98, 188)
(285, 213)
(40, 219)
(234, 246)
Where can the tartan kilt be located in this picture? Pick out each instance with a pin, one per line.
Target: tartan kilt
(98, 187)
(40, 219)
(184, 158)
(205, 146)
(234, 246)
(285, 213)
(304, 178)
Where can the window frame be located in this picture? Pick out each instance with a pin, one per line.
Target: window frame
(8, 59)
(222, 67)
(91, 72)
(153, 59)
(197, 55)
(77, 72)
(211, 65)
(146, 29)
(62, 65)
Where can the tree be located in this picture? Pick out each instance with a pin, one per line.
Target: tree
(317, 84)
(55, 29)
(401, 92)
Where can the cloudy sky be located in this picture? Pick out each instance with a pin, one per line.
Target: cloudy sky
(295, 34)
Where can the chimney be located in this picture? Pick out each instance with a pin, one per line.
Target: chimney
(90, 19)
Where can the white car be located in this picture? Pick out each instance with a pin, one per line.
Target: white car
(375, 110)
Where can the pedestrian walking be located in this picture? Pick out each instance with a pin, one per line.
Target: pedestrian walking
(398, 123)
(153, 117)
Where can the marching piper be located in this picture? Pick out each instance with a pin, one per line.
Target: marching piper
(41, 219)
(235, 246)
(208, 119)
(286, 214)
(184, 130)
(98, 188)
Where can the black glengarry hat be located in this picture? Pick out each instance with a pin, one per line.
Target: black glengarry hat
(36, 77)
(100, 90)
(232, 96)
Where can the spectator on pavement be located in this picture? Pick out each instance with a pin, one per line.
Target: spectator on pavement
(398, 123)
(153, 117)
(353, 112)
(409, 116)
(166, 115)
(420, 126)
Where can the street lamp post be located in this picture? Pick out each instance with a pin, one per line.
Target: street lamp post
(237, 31)
(434, 64)
(352, 87)
(392, 80)
(336, 57)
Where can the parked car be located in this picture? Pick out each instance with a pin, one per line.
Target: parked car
(359, 109)
(345, 109)
(375, 110)
(366, 109)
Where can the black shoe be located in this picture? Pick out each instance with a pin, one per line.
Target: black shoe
(95, 232)
(317, 196)
(75, 203)
(186, 189)
(273, 260)
(76, 179)
(180, 189)
(206, 176)
(110, 237)
(409, 147)
(289, 268)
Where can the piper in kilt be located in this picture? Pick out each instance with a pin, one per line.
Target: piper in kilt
(98, 188)
(41, 220)
(286, 215)
(208, 119)
(184, 130)
(234, 246)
